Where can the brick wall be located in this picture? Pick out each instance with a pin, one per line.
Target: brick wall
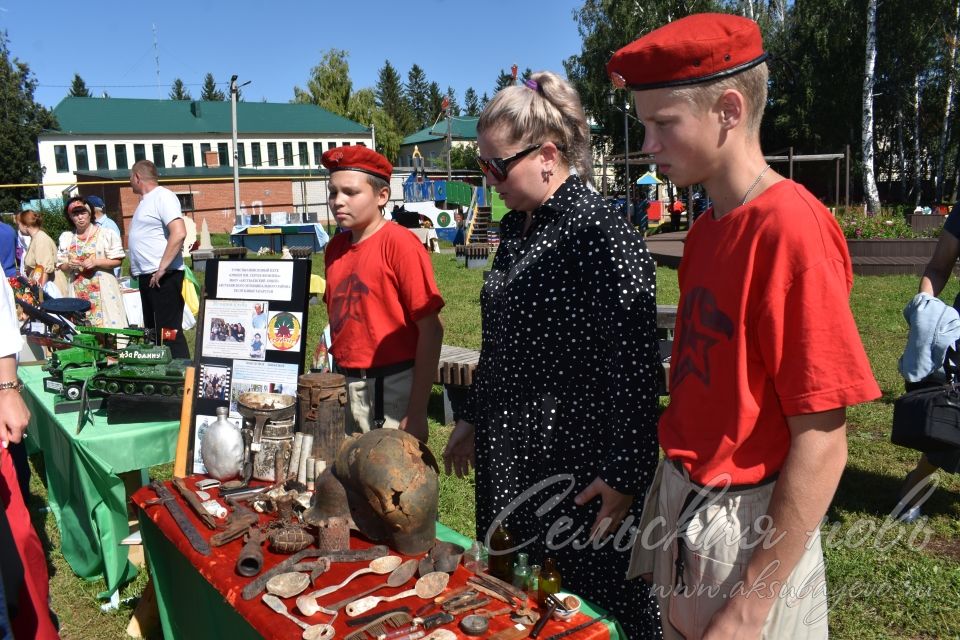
(213, 201)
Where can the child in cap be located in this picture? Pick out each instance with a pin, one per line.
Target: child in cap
(381, 297)
(766, 355)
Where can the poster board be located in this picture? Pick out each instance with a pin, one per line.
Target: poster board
(251, 337)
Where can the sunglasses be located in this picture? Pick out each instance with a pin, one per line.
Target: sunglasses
(500, 167)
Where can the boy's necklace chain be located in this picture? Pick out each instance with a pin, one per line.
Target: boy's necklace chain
(754, 185)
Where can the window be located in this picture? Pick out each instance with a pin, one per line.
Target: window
(331, 145)
(241, 155)
(224, 154)
(255, 153)
(81, 152)
(272, 154)
(188, 159)
(120, 150)
(204, 147)
(101, 152)
(186, 201)
(361, 144)
(158, 158)
(288, 154)
(304, 155)
(317, 152)
(60, 154)
(139, 152)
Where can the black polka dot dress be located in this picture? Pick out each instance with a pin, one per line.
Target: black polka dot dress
(566, 391)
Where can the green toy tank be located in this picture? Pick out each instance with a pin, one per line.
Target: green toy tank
(141, 369)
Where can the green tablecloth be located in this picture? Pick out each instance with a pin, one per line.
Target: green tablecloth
(86, 496)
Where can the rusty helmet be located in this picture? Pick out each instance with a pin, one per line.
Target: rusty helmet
(392, 484)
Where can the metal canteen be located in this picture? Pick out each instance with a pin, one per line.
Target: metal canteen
(427, 587)
(221, 447)
(310, 631)
(308, 603)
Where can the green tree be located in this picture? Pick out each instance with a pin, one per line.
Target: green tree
(484, 99)
(329, 85)
(436, 102)
(210, 92)
(471, 105)
(391, 100)
(418, 96)
(78, 88)
(179, 92)
(22, 119)
(454, 105)
(504, 80)
(605, 26)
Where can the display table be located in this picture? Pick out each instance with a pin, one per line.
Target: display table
(200, 597)
(84, 491)
(275, 236)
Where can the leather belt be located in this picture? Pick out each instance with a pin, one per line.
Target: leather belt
(721, 487)
(376, 372)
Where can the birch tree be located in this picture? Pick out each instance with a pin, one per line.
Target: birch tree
(869, 179)
(940, 176)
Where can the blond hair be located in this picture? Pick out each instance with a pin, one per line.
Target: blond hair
(146, 170)
(550, 112)
(751, 84)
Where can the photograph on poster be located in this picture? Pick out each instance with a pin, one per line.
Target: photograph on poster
(284, 331)
(201, 424)
(262, 377)
(214, 382)
(229, 330)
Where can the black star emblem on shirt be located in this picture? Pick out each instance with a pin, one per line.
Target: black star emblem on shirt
(702, 325)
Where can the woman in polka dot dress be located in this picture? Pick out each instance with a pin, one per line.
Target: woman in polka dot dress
(561, 418)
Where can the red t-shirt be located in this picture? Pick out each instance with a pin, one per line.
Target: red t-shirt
(376, 292)
(764, 331)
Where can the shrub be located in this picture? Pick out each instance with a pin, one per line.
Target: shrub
(891, 223)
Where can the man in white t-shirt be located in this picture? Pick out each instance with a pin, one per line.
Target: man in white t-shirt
(155, 240)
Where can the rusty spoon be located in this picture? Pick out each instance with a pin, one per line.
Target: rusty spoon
(323, 631)
(307, 604)
(427, 587)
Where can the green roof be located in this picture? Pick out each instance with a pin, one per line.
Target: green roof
(461, 128)
(84, 116)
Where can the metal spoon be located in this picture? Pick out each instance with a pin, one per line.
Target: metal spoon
(310, 631)
(307, 604)
(427, 587)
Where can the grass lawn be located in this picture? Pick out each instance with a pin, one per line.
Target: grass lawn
(886, 580)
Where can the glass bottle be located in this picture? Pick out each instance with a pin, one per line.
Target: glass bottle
(475, 559)
(521, 571)
(533, 583)
(501, 554)
(549, 581)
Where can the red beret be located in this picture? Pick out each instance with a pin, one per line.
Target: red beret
(698, 48)
(357, 158)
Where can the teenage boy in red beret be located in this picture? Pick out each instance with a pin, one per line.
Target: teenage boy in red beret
(381, 297)
(766, 355)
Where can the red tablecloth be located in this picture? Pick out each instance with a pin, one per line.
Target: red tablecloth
(218, 570)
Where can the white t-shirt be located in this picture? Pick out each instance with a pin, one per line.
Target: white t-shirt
(149, 231)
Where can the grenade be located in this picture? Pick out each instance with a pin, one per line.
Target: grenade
(289, 539)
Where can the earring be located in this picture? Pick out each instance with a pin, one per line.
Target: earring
(546, 174)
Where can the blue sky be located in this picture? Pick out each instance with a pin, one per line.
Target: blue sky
(274, 44)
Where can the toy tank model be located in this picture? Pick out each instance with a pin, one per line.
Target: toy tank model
(144, 369)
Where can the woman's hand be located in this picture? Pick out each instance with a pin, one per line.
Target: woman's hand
(458, 456)
(613, 508)
(89, 264)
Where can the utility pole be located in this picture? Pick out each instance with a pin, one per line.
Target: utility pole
(446, 108)
(236, 154)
